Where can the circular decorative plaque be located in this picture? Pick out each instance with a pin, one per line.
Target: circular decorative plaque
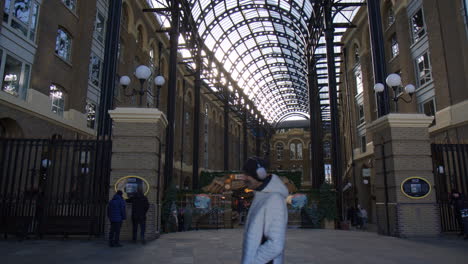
(416, 187)
(130, 185)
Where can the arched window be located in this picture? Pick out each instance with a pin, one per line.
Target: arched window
(63, 45)
(299, 151)
(279, 151)
(125, 16)
(390, 15)
(139, 39)
(205, 136)
(57, 97)
(70, 4)
(292, 151)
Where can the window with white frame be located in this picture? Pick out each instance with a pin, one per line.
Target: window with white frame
(99, 27)
(423, 69)
(395, 46)
(292, 151)
(358, 78)
(58, 99)
(418, 28)
(63, 45)
(70, 4)
(91, 114)
(22, 16)
(299, 151)
(279, 151)
(361, 115)
(428, 107)
(95, 70)
(16, 74)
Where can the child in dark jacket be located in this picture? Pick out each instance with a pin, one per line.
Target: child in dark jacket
(116, 213)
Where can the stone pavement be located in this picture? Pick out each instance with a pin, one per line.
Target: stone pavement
(314, 246)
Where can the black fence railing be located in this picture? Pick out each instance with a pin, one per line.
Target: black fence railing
(450, 166)
(53, 186)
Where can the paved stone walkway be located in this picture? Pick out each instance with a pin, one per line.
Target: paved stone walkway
(224, 247)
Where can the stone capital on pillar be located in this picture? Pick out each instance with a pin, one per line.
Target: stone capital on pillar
(137, 139)
(403, 150)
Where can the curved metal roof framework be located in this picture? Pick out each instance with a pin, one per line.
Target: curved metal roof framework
(256, 53)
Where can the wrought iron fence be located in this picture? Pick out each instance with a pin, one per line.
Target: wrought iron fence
(53, 186)
(450, 166)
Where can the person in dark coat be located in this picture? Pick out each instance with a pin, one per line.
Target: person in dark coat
(116, 214)
(457, 200)
(140, 207)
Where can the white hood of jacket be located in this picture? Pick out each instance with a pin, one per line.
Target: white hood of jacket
(267, 220)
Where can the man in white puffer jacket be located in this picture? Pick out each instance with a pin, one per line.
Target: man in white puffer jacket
(265, 230)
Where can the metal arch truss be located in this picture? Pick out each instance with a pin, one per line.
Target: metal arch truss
(256, 55)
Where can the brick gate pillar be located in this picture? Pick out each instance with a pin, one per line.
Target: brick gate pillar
(136, 159)
(402, 151)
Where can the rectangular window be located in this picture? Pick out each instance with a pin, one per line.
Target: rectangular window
(16, 73)
(428, 107)
(95, 70)
(418, 29)
(361, 117)
(91, 114)
(63, 45)
(423, 69)
(363, 143)
(358, 77)
(99, 27)
(395, 46)
(22, 15)
(58, 99)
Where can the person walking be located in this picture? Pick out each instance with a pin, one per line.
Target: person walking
(116, 214)
(267, 219)
(140, 207)
(364, 218)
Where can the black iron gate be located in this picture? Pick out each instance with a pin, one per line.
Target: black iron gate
(53, 186)
(450, 166)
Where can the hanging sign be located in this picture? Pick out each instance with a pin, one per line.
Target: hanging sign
(416, 187)
(129, 185)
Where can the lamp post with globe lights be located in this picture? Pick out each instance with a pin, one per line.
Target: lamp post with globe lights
(394, 81)
(142, 73)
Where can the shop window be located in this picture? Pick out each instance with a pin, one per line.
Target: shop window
(22, 15)
(63, 45)
(16, 74)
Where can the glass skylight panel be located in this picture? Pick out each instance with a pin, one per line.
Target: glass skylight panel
(226, 23)
(210, 41)
(209, 17)
(250, 13)
(219, 9)
(250, 43)
(236, 17)
(230, 4)
(219, 54)
(217, 31)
